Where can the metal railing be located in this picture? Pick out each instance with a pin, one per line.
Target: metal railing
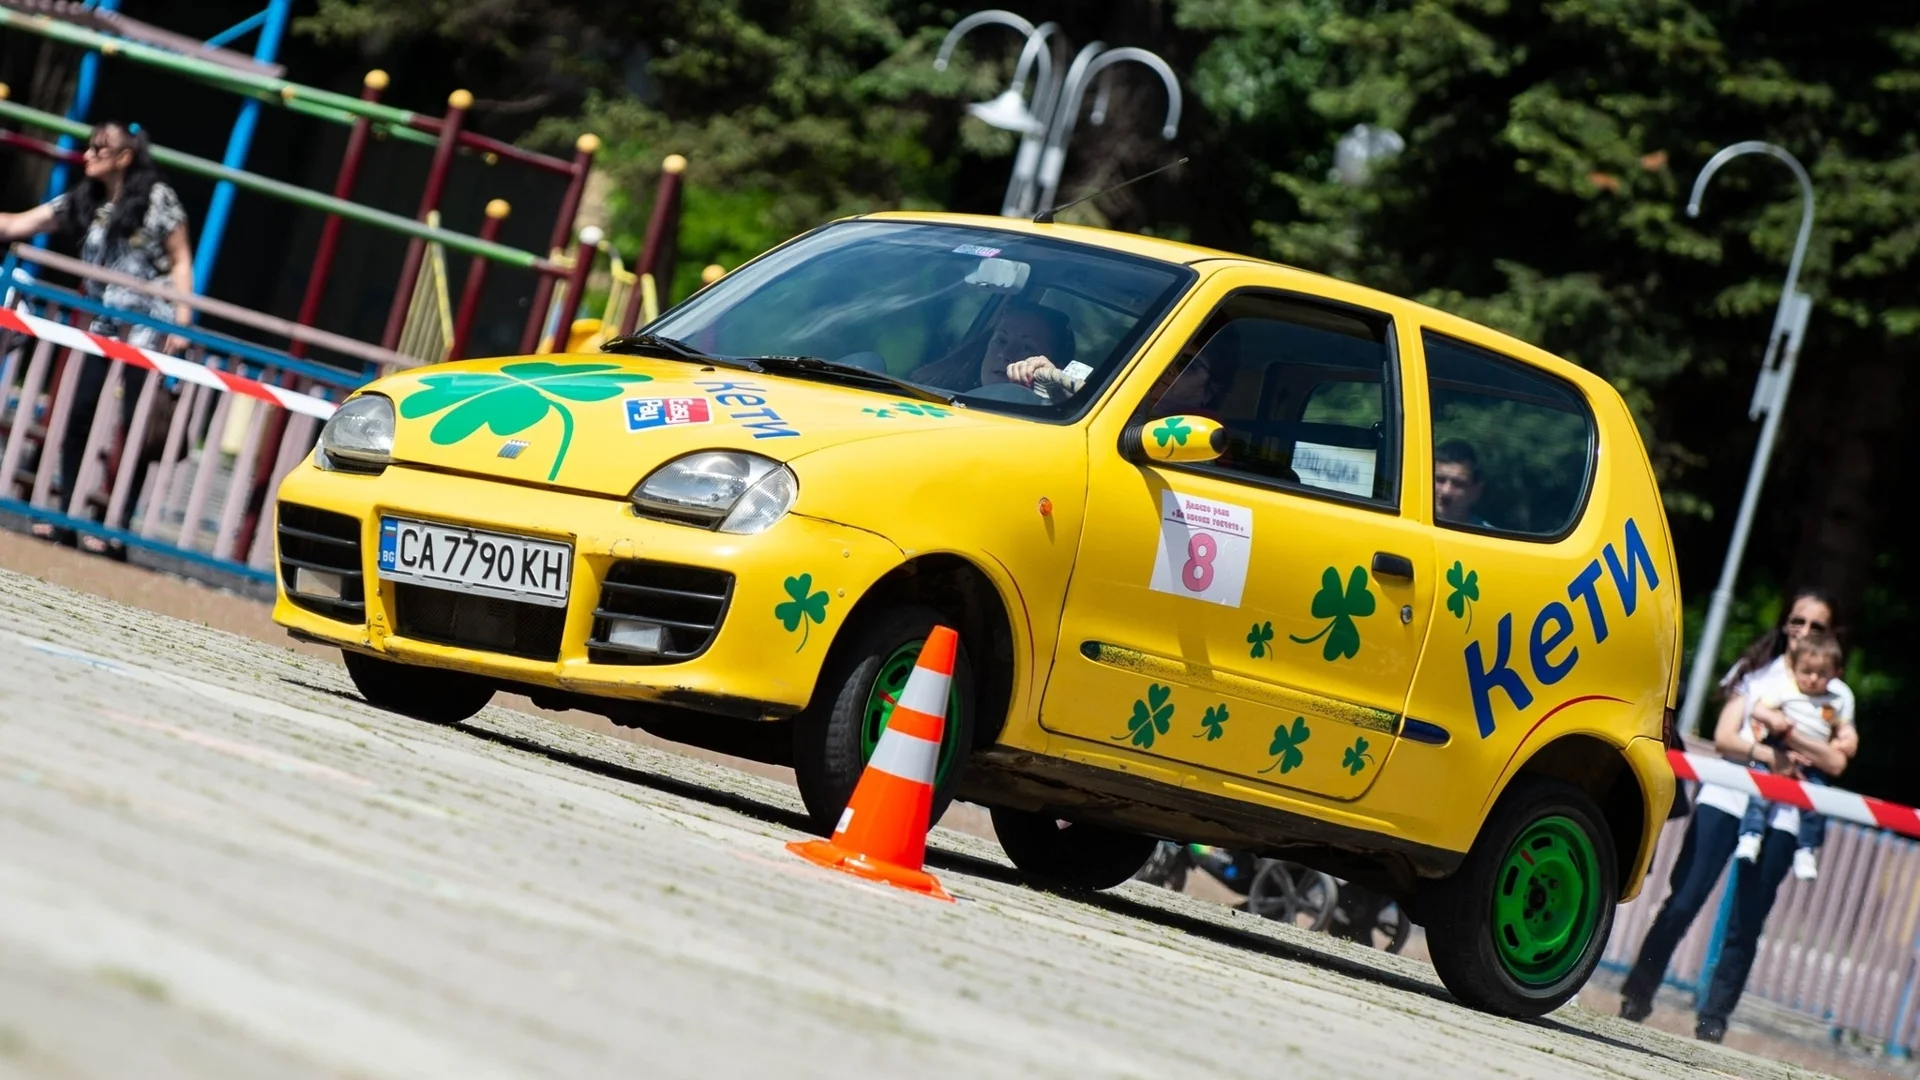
(1843, 948)
(186, 470)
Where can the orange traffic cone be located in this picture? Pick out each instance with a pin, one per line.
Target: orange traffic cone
(882, 833)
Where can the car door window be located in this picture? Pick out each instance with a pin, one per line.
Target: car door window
(1306, 392)
(1513, 447)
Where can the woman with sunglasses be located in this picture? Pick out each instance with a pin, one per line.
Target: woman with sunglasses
(130, 221)
(1715, 830)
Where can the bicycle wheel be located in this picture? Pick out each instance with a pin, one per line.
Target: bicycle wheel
(1291, 893)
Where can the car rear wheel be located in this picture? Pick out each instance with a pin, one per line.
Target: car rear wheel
(431, 694)
(1052, 853)
(1519, 928)
(863, 678)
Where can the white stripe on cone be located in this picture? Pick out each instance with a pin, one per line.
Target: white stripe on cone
(908, 757)
(185, 370)
(926, 692)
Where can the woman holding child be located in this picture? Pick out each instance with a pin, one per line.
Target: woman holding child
(1786, 712)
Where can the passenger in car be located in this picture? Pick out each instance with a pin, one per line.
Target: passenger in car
(1023, 335)
(1457, 484)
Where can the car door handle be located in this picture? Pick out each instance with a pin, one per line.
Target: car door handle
(1387, 565)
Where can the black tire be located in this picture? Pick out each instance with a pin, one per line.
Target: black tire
(830, 747)
(1057, 854)
(1462, 910)
(431, 694)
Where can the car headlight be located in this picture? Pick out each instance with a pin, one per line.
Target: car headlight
(737, 492)
(358, 437)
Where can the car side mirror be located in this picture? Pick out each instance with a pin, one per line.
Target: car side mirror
(1175, 439)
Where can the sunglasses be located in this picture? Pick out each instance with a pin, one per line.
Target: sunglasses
(103, 148)
(1798, 621)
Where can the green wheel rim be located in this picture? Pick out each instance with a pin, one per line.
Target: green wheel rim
(887, 687)
(1546, 901)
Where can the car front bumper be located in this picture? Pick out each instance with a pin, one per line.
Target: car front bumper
(783, 594)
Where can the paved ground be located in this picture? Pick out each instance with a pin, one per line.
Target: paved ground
(216, 861)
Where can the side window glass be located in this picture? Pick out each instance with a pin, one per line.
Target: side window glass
(1512, 445)
(1306, 393)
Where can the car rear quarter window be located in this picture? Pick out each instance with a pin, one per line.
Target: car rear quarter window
(1513, 447)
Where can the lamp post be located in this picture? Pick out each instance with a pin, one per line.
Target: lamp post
(1769, 398)
(1045, 120)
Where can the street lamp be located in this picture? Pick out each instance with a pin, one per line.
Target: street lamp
(1769, 398)
(1092, 60)
(1045, 120)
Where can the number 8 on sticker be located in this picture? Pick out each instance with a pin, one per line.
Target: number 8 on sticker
(1197, 575)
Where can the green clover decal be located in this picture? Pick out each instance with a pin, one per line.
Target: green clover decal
(1175, 429)
(1340, 607)
(1286, 746)
(1261, 638)
(1213, 722)
(515, 399)
(910, 409)
(1356, 757)
(806, 608)
(1466, 589)
(1150, 717)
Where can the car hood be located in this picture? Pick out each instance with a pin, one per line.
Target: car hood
(601, 423)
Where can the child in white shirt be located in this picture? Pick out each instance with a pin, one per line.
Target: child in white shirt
(1806, 693)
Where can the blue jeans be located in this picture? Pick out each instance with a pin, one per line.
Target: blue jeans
(1705, 852)
(1813, 827)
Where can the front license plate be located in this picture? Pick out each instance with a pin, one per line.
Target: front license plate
(471, 561)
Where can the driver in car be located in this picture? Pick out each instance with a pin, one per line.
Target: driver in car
(1023, 335)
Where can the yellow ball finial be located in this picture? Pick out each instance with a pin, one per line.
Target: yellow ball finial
(376, 80)
(714, 272)
(588, 143)
(460, 99)
(498, 209)
(5, 91)
(674, 164)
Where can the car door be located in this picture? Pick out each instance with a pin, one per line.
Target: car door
(1257, 619)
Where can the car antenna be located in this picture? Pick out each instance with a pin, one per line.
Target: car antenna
(1045, 217)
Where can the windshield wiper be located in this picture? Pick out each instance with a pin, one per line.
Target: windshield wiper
(672, 349)
(814, 365)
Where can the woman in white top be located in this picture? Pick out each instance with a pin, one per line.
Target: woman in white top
(1715, 830)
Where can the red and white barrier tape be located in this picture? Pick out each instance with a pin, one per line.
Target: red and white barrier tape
(72, 337)
(1832, 802)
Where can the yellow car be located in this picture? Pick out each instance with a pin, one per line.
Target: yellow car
(1238, 554)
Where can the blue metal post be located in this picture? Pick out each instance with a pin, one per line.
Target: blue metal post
(76, 111)
(1719, 937)
(238, 143)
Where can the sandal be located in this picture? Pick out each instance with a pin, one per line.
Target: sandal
(58, 534)
(104, 546)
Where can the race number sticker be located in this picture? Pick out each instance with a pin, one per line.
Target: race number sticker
(1204, 549)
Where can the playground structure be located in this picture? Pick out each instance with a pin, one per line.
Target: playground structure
(224, 453)
(558, 273)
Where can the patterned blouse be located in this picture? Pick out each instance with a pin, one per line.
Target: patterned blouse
(141, 254)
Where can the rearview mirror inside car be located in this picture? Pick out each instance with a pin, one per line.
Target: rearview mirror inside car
(1175, 439)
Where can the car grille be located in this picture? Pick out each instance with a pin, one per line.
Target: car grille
(529, 631)
(323, 542)
(688, 603)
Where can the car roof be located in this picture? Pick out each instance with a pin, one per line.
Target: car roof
(1173, 251)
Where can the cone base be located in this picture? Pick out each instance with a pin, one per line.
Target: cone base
(825, 853)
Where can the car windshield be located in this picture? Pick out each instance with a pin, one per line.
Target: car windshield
(942, 306)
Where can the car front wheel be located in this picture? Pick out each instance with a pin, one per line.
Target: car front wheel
(1519, 928)
(1052, 853)
(863, 679)
(430, 694)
